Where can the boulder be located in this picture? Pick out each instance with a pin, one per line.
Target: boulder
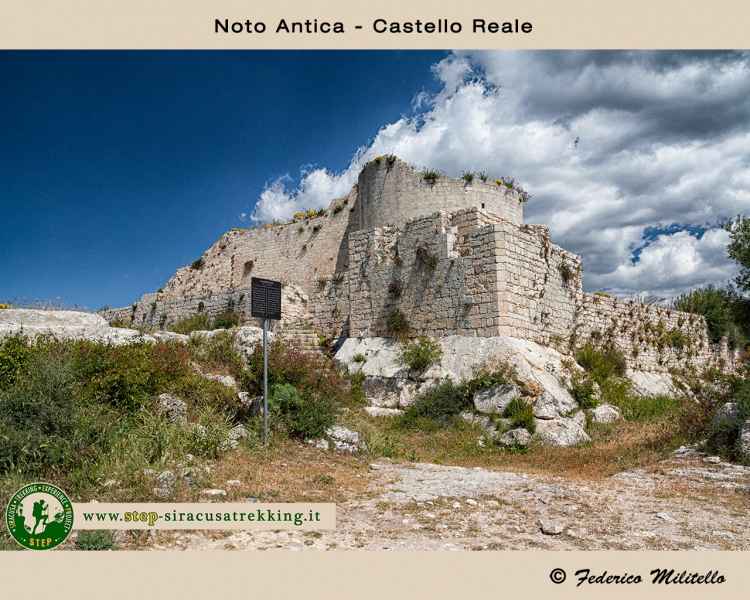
(165, 484)
(482, 421)
(226, 380)
(605, 413)
(343, 439)
(550, 526)
(237, 433)
(539, 369)
(495, 400)
(726, 414)
(548, 406)
(377, 411)
(173, 408)
(515, 438)
(66, 325)
(246, 338)
(561, 432)
(645, 383)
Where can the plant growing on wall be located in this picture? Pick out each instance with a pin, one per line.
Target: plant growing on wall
(566, 272)
(430, 176)
(426, 258)
(468, 177)
(420, 354)
(482, 176)
(197, 265)
(397, 324)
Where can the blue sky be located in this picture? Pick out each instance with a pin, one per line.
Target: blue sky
(118, 167)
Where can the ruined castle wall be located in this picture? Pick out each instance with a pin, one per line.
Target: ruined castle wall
(155, 311)
(438, 271)
(651, 337)
(392, 193)
(539, 283)
(302, 252)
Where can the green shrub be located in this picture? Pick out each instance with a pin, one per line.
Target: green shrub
(303, 415)
(430, 176)
(601, 363)
(421, 354)
(468, 177)
(439, 404)
(488, 377)
(647, 408)
(14, 352)
(521, 414)
(398, 324)
(77, 406)
(198, 322)
(724, 434)
(583, 390)
(197, 264)
(95, 540)
(726, 312)
(359, 358)
(226, 320)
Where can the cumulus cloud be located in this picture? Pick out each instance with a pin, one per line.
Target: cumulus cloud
(609, 144)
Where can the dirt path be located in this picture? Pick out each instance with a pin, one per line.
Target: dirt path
(687, 502)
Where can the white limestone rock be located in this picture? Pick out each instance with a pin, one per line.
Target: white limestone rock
(246, 338)
(539, 368)
(515, 438)
(495, 400)
(377, 411)
(605, 413)
(343, 439)
(66, 325)
(482, 421)
(651, 384)
(172, 407)
(561, 432)
(548, 406)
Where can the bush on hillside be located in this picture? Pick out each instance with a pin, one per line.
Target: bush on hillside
(421, 354)
(303, 415)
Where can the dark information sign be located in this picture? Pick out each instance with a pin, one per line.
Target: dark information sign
(265, 299)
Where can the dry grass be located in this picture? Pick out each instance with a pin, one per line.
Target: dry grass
(289, 471)
(613, 448)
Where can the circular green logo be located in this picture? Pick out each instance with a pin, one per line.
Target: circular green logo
(39, 516)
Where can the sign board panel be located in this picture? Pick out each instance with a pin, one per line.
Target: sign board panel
(265, 298)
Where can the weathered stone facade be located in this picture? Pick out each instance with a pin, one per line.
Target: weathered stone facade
(446, 256)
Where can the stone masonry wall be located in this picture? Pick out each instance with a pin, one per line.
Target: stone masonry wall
(302, 252)
(154, 311)
(394, 192)
(652, 337)
(539, 283)
(438, 271)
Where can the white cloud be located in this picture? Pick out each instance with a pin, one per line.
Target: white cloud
(607, 143)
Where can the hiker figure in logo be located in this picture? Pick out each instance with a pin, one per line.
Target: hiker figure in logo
(39, 512)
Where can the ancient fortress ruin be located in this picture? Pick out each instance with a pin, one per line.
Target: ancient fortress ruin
(442, 256)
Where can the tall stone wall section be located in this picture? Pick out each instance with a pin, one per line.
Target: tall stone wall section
(437, 271)
(539, 283)
(392, 192)
(303, 253)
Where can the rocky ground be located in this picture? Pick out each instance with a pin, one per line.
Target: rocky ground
(690, 501)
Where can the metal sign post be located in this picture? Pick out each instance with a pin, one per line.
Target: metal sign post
(265, 303)
(265, 381)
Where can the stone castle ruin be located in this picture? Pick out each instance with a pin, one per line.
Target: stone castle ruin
(430, 255)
